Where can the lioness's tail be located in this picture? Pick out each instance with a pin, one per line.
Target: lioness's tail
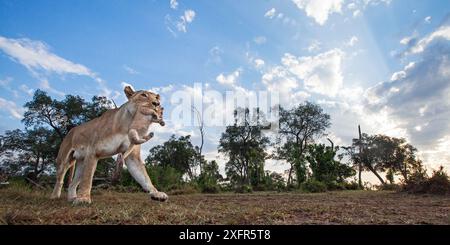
(64, 161)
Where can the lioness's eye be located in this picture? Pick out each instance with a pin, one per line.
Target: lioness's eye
(144, 95)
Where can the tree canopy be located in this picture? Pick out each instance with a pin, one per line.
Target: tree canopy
(245, 145)
(298, 127)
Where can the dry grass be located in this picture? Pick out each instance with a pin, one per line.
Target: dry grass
(22, 206)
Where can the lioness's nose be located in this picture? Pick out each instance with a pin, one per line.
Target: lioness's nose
(155, 103)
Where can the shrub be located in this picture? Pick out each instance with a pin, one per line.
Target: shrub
(262, 187)
(226, 186)
(314, 186)
(207, 185)
(438, 183)
(184, 189)
(243, 189)
(127, 180)
(291, 187)
(335, 186)
(353, 185)
(388, 187)
(19, 183)
(210, 189)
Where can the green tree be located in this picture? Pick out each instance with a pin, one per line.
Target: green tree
(97, 106)
(165, 177)
(368, 155)
(47, 121)
(61, 116)
(323, 165)
(274, 181)
(384, 153)
(245, 145)
(42, 110)
(396, 155)
(178, 153)
(30, 152)
(209, 177)
(298, 127)
(390, 176)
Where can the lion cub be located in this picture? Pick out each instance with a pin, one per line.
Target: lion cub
(142, 120)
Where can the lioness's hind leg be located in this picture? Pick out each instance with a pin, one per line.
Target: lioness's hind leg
(72, 192)
(87, 174)
(60, 173)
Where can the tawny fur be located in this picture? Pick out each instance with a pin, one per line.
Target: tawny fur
(104, 137)
(143, 118)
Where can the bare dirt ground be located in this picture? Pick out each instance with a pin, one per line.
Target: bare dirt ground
(20, 206)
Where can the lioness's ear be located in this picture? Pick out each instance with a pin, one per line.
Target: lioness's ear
(128, 91)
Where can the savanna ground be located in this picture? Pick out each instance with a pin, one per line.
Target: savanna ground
(24, 206)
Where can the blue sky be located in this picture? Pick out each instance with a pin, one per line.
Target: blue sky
(379, 63)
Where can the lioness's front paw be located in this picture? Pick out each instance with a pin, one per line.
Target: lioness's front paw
(159, 196)
(81, 200)
(149, 136)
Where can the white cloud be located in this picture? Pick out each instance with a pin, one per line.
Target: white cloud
(351, 6)
(24, 88)
(36, 55)
(189, 15)
(402, 74)
(130, 70)
(6, 81)
(260, 40)
(319, 10)
(314, 46)
(185, 19)
(259, 63)
(409, 39)
(279, 79)
(427, 19)
(173, 4)
(270, 13)
(45, 85)
(321, 73)
(181, 24)
(405, 40)
(229, 79)
(353, 40)
(215, 55)
(358, 6)
(162, 89)
(438, 154)
(40, 61)
(12, 108)
(170, 25)
(417, 96)
(442, 33)
(366, 3)
(287, 20)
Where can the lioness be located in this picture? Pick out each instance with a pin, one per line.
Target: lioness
(104, 137)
